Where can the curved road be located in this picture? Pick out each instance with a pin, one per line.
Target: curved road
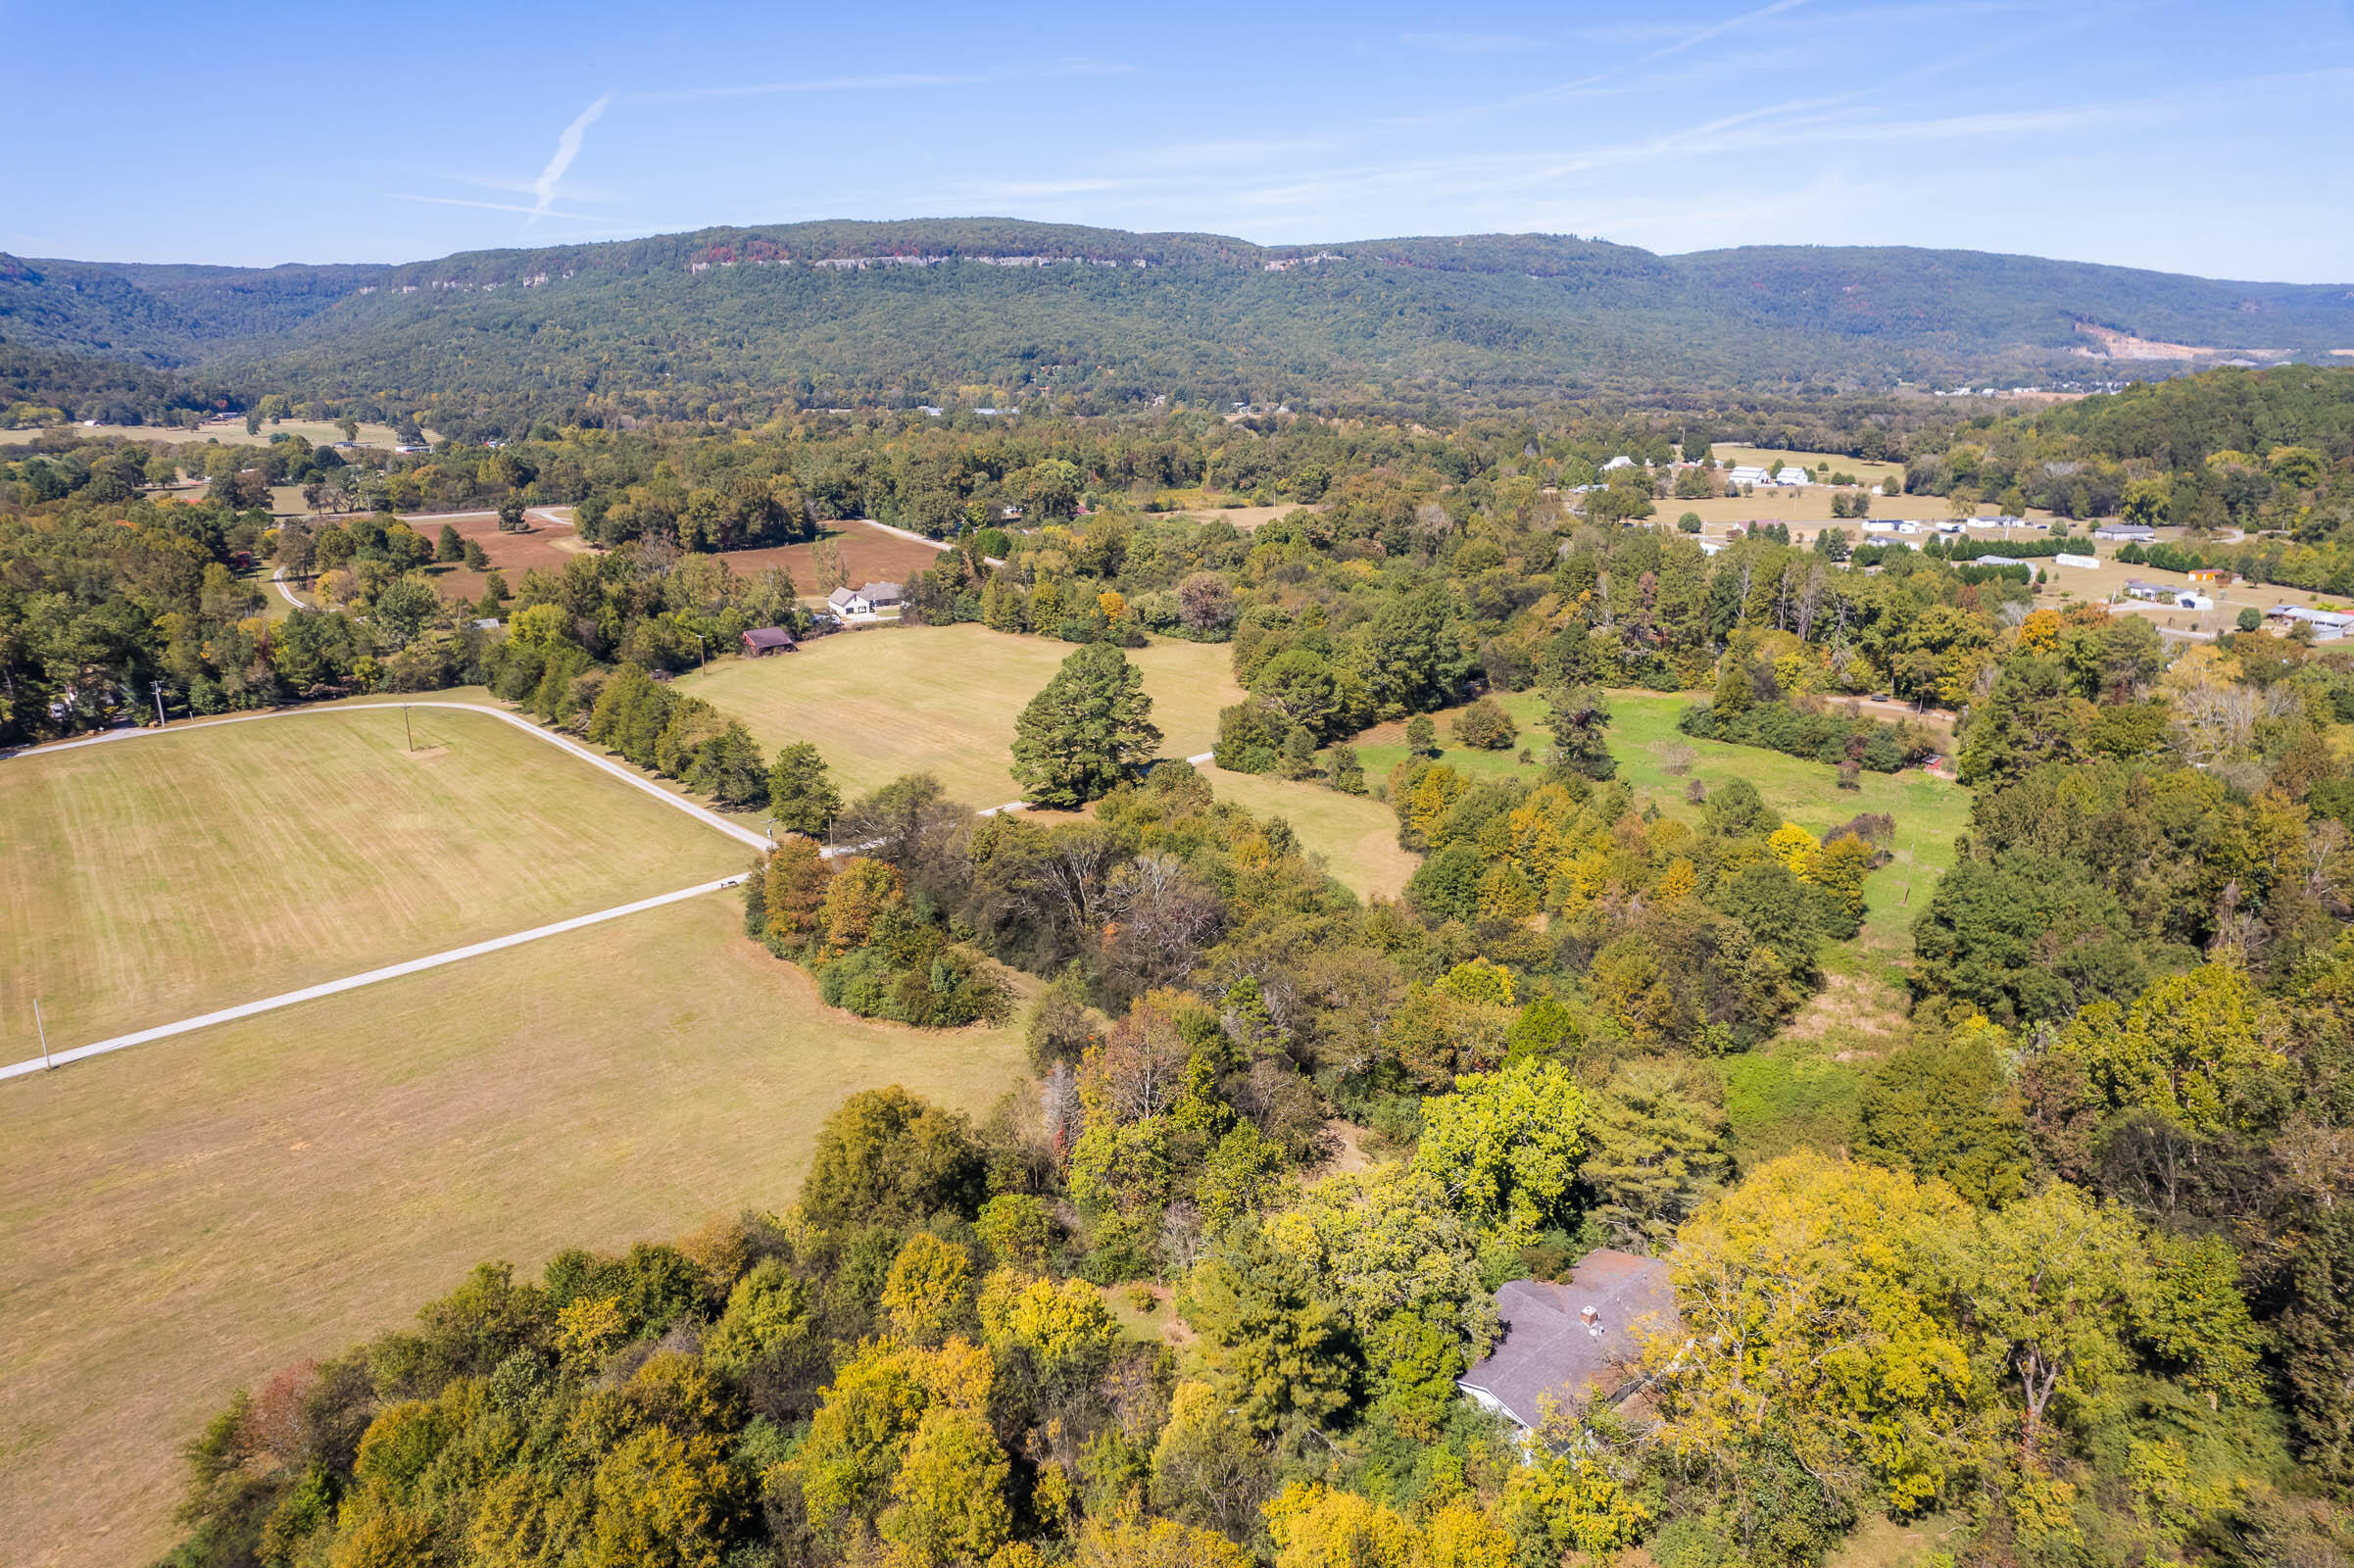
(710, 818)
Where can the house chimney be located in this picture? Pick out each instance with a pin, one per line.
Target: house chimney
(1589, 1316)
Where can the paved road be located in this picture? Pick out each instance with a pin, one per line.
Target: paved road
(626, 775)
(248, 1009)
(734, 830)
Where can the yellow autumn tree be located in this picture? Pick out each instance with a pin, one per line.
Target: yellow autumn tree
(1315, 1526)
(1439, 788)
(1802, 1298)
(928, 1289)
(1795, 848)
(949, 1495)
(1161, 1543)
(1840, 867)
(855, 900)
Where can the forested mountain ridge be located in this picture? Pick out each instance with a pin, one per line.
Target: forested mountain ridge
(739, 322)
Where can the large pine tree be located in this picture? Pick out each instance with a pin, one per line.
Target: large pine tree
(1085, 730)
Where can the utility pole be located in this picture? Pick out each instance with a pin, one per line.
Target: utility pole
(408, 727)
(704, 647)
(45, 1029)
(156, 687)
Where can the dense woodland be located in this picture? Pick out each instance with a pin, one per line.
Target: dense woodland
(737, 325)
(2066, 1275)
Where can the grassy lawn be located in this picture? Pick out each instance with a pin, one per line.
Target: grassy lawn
(180, 1220)
(1356, 834)
(1801, 1087)
(888, 702)
(150, 879)
(1824, 464)
(1928, 812)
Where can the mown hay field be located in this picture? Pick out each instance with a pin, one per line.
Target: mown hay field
(1355, 835)
(177, 1222)
(158, 877)
(942, 700)
(231, 434)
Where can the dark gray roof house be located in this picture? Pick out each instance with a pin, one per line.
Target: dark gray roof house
(1571, 1340)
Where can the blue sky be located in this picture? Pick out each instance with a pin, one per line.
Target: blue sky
(2208, 138)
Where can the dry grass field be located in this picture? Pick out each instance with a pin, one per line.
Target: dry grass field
(1245, 518)
(315, 431)
(1824, 464)
(180, 1220)
(1356, 834)
(548, 545)
(2075, 586)
(869, 554)
(942, 700)
(152, 879)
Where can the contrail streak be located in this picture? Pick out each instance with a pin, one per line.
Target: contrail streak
(567, 148)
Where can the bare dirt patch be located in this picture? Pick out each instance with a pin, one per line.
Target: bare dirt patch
(1348, 1155)
(2114, 345)
(1243, 517)
(869, 554)
(548, 543)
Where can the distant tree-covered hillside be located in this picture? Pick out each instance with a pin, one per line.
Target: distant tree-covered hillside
(740, 323)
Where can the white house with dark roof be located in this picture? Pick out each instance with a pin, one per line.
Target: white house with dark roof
(870, 599)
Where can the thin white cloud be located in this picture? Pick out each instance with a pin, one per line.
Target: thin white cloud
(1468, 43)
(757, 89)
(1674, 46)
(1701, 35)
(1026, 190)
(498, 207)
(895, 82)
(567, 148)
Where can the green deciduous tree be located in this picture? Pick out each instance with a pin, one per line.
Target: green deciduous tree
(2193, 1048)
(1940, 1108)
(928, 1294)
(948, 1493)
(2044, 1285)
(891, 1157)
